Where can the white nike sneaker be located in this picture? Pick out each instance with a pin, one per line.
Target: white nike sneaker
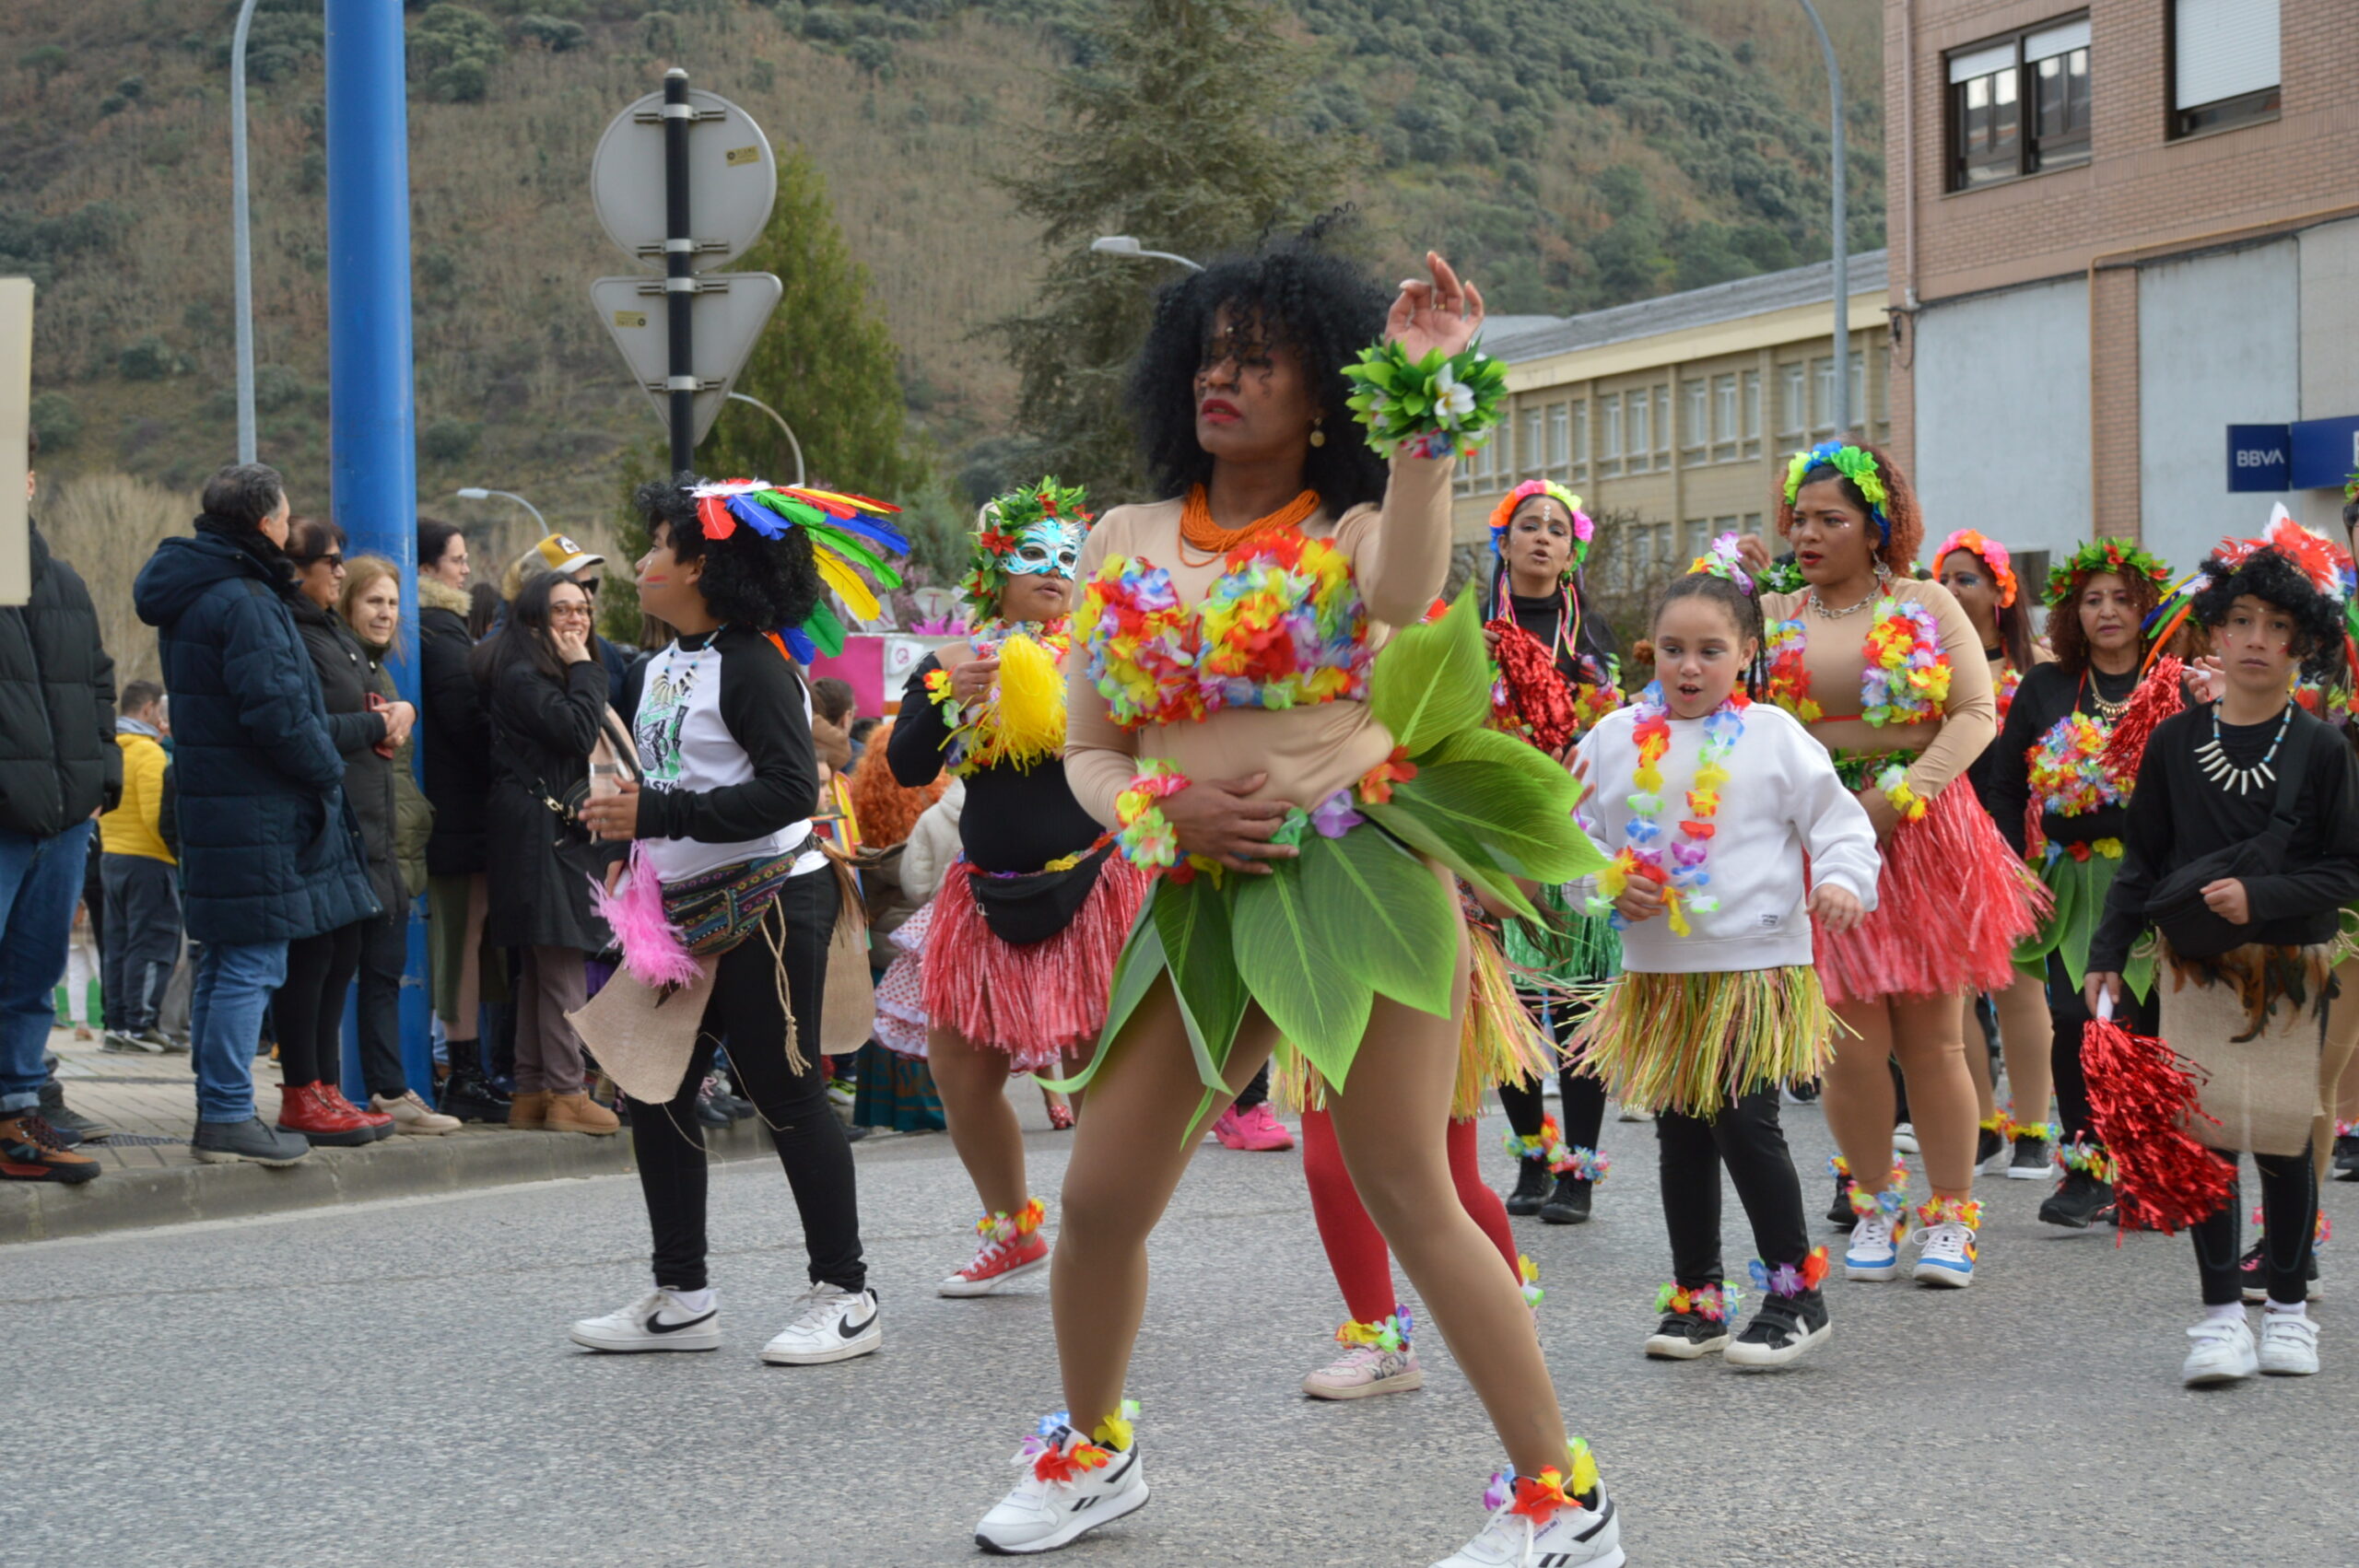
(1571, 1537)
(1071, 1486)
(655, 1322)
(2289, 1345)
(828, 1325)
(2223, 1352)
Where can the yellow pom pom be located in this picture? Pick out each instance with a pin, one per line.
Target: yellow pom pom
(1031, 703)
(1584, 1480)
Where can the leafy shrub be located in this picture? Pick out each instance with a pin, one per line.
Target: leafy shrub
(56, 421)
(149, 359)
(553, 34)
(449, 441)
(454, 48)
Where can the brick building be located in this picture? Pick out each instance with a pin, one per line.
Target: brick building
(2118, 230)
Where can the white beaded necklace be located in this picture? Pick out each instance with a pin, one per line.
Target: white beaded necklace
(2232, 779)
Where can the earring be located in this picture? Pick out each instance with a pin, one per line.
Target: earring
(1319, 431)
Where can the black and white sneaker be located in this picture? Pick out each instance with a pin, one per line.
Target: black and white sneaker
(1686, 1336)
(1781, 1331)
(2345, 1165)
(829, 1325)
(1840, 1212)
(2256, 1276)
(1071, 1486)
(2031, 1161)
(2078, 1201)
(656, 1321)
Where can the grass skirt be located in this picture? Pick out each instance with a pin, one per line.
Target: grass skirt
(2253, 1021)
(1952, 902)
(1696, 1043)
(1036, 1000)
(1564, 944)
(1497, 1042)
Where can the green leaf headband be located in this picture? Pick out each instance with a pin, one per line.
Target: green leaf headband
(2118, 556)
(1855, 463)
(1001, 529)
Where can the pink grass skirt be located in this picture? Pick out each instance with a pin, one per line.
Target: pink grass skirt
(900, 1026)
(1033, 1001)
(1952, 902)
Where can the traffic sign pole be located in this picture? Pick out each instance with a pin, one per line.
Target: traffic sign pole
(680, 277)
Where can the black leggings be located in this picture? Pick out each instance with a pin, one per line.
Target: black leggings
(1746, 1138)
(309, 1006)
(744, 1009)
(2070, 1012)
(1582, 1119)
(2289, 1215)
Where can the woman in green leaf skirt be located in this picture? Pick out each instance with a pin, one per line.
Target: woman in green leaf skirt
(1304, 777)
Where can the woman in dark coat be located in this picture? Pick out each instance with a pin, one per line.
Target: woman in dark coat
(308, 1007)
(547, 697)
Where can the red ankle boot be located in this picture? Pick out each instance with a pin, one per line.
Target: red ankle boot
(321, 1120)
(380, 1125)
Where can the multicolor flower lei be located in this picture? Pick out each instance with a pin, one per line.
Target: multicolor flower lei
(1437, 406)
(2005, 1125)
(2010, 680)
(1563, 1159)
(1061, 1463)
(1022, 721)
(1713, 1303)
(1842, 1168)
(1786, 1279)
(1283, 627)
(2067, 774)
(1144, 834)
(1965, 1211)
(2089, 1158)
(1641, 856)
(1003, 1227)
(1386, 1334)
(1539, 1498)
(1894, 781)
(1892, 1201)
(1905, 673)
(1789, 682)
(1527, 1272)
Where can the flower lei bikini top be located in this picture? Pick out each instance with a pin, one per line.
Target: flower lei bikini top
(1904, 677)
(1282, 627)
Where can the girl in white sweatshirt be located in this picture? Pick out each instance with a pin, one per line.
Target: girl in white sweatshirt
(1709, 803)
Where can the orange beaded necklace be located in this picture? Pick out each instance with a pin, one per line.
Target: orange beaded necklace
(1197, 527)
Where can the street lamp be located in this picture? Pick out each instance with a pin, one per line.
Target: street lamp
(477, 493)
(1842, 238)
(785, 428)
(1123, 245)
(240, 237)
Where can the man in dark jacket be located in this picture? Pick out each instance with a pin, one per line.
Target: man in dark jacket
(269, 849)
(59, 767)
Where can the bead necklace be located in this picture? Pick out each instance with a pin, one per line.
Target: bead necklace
(1197, 527)
(2232, 779)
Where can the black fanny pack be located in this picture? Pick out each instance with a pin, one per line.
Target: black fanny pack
(1021, 910)
(2175, 907)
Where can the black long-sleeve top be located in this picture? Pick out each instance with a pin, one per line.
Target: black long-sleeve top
(2176, 814)
(1016, 819)
(2048, 694)
(1542, 617)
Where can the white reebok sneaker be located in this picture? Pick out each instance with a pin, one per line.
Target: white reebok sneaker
(1071, 1486)
(2223, 1352)
(655, 1322)
(1572, 1536)
(2289, 1345)
(828, 1325)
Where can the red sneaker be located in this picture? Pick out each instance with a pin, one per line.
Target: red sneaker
(1257, 1130)
(322, 1120)
(1013, 1246)
(382, 1124)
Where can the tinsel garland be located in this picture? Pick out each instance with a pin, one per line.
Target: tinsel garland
(1537, 706)
(2159, 695)
(2142, 1096)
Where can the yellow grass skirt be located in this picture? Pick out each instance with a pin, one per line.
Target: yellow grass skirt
(1695, 1043)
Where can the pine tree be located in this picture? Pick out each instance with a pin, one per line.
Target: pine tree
(1177, 131)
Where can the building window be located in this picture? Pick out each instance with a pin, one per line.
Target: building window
(1662, 429)
(1793, 404)
(1857, 406)
(2020, 104)
(1822, 377)
(2223, 64)
(1693, 432)
(1581, 441)
(1751, 430)
(1609, 456)
(1534, 456)
(1641, 432)
(1724, 427)
(1883, 358)
(1751, 523)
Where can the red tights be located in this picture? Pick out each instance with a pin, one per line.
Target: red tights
(1356, 1248)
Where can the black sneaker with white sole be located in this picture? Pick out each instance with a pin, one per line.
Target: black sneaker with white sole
(1070, 1486)
(1840, 1212)
(1686, 1336)
(656, 1321)
(1530, 1187)
(1781, 1332)
(2033, 1160)
(2079, 1201)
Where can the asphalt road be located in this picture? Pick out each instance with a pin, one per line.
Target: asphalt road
(391, 1383)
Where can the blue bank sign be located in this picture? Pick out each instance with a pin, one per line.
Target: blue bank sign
(2259, 457)
(2308, 455)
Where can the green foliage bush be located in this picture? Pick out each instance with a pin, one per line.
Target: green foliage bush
(56, 421)
(454, 48)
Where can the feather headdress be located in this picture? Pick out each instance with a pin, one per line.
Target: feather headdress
(847, 536)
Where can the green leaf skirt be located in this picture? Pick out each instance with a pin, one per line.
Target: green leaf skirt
(2080, 889)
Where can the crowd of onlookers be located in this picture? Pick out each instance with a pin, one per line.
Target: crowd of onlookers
(234, 853)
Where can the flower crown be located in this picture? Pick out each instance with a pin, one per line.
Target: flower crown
(2118, 556)
(1584, 530)
(1992, 554)
(1855, 463)
(1001, 526)
(1721, 559)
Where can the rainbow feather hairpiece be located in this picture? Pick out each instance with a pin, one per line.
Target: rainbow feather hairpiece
(846, 532)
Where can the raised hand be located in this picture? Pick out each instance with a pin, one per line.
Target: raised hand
(1441, 312)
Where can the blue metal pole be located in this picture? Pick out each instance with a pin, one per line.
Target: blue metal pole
(372, 449)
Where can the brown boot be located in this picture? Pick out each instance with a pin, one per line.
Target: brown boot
(529, 1113)
(577, 1112)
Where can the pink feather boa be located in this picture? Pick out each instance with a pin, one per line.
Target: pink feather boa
(653, 951)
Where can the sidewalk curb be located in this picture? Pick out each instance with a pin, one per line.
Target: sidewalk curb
(399, 1168)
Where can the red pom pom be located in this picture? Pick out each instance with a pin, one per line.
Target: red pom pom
(2157, 698)
(1537, 700)
(2141, 1098)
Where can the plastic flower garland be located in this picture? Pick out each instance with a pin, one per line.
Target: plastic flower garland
(1537, 1498)
(1528, 1273)
(2067, 772)
(1721, 558)
(2005, 1125)
(1684, 882)
(1584, 530)
(1893, 1201)
(1786, 1279)
(1908, 675)
(1992, 555)
(1789, 679)
(1437, 406)
(2010, 681)
(1004, 520)
(845, 532)
(1713, 1303)
(1386, 1334)
(1146, 836)
(1002, 1226)
(2118, 556)
(1946, 1211)
(1855, 463)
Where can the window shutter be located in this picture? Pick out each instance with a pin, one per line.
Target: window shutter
(2223, 49)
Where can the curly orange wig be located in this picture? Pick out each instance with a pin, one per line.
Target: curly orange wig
(887, 810)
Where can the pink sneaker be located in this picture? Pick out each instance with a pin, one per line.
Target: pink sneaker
(1256, 1129)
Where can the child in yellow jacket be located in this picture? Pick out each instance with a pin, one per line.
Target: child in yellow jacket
(142, 921)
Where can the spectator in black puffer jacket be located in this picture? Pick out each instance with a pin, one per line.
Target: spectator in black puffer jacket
(269, 849)
(59, 766)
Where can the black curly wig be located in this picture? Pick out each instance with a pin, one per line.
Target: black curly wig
(1302, 298)
(748, 580)
(2273, 578)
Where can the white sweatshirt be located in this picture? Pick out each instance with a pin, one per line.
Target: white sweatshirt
(1782, 800)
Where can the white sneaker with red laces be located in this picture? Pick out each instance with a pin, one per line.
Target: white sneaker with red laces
(998, 1263)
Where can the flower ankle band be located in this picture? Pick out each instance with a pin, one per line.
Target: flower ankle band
(1539, 1497)
(1002, 1226)
(2015, 1132)
(1950, 1211)
(1842, 1168)
(2090, 1159)
(1786, 1280)
(1527, 1273)
(1892, 1200)
(1146, 836)
(1390, 1333)
(1713, 1303)
(1563, 1159)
